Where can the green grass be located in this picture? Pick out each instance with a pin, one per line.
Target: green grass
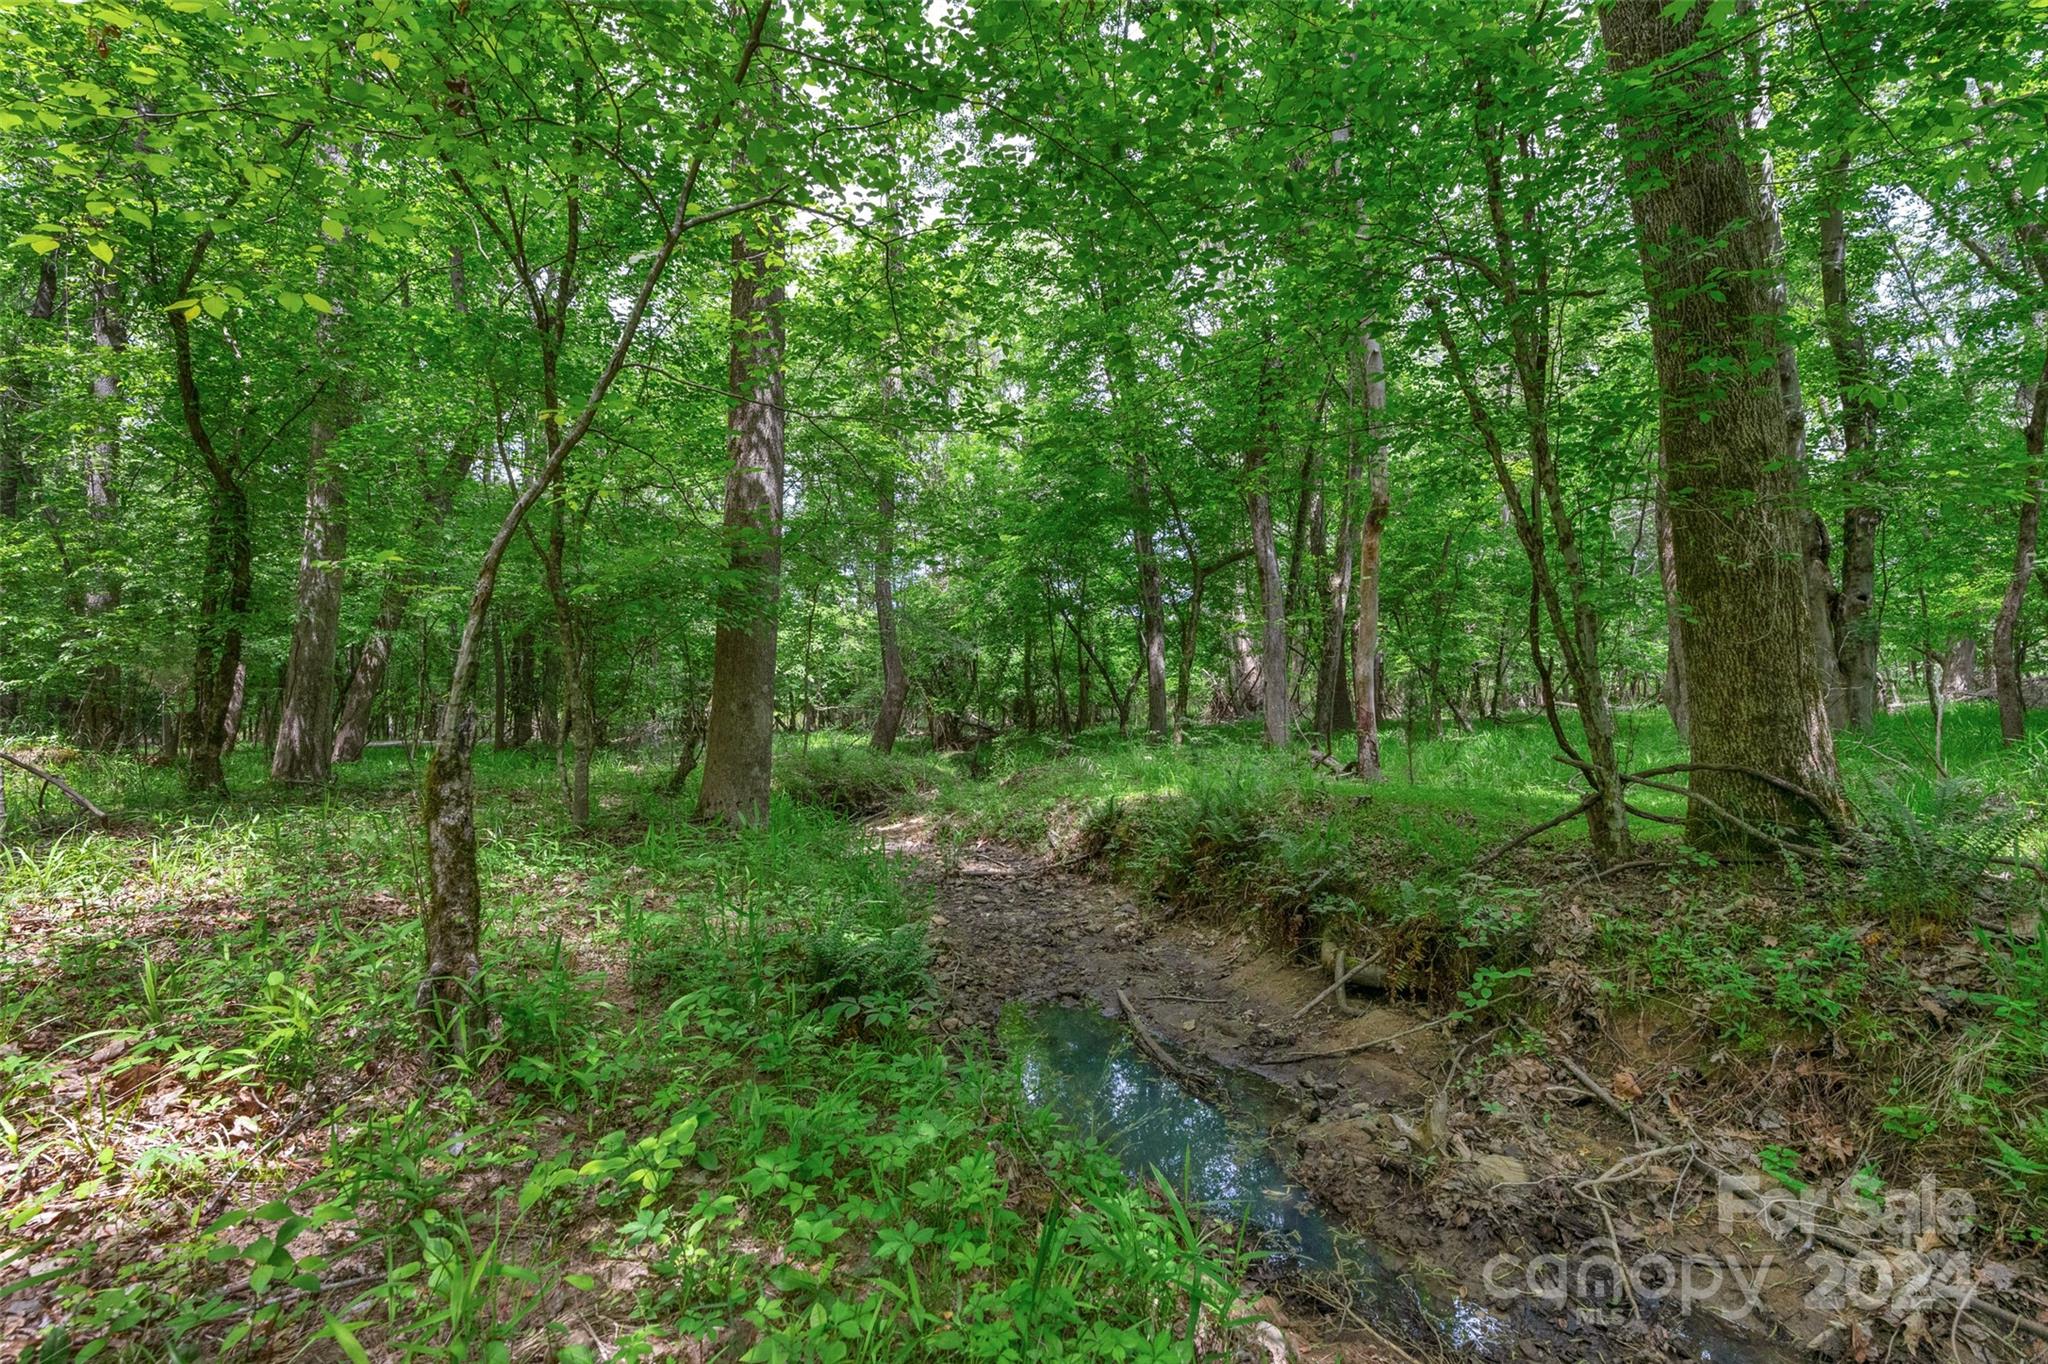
(1877, 960)
(712, 1107)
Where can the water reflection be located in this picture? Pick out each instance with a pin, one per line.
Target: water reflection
(1085, 1067)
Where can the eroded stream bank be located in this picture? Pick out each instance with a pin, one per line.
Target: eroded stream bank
(1384, 1249)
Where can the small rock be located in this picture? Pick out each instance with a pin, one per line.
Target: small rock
(1498, 1171)
(112, 1051)
(952, 1023)
(939, 921)
(1188, 1026)
(1274, 1342)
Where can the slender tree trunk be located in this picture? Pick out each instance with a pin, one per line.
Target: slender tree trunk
(1855, 631)
(1151, 605)
(238, 695)
(740, 737)
(1368, 687)
(1337, 588)
(895, 682)
(99, 721)
(498, 688)
(1754, 685)
(1674, 654)
(2005, 651)
(1272, 588)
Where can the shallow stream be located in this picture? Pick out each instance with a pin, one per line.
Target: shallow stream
(1084, 1065)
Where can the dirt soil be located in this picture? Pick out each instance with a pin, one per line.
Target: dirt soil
(1466, 1165)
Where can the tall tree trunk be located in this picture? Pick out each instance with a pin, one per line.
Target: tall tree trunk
(895, 682)
(1337, 588)
(305, 709)
(99, 721)
(1368, 687)
(1272, 587)
(740, 736)
(21, 395)
(1667, 574)
(1754, 684)
(2005, 653)
(223, 607)
(498, 689)
(572, 642)
(1855, 631)
(1151, 604)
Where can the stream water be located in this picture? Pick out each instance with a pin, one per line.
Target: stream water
(1084, 1066)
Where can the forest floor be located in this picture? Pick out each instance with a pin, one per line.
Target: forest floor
(1802, 1090)
(756, 1097)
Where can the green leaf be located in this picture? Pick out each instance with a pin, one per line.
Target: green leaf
(344, 1335)
(317, 303)
(334, 227)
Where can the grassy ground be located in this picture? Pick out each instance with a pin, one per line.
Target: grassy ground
(1891, 1001)
(713, 1117)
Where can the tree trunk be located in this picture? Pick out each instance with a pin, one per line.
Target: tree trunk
(1855, 632)
(1272, 588)
(1667, 574)
(497, 689)
(2005, 653)
(895, 682)
(223, 606)
(1368, 687)
(305, 709)
(740, 736)
(99, 721)
(1337, 588)
(1754, 685)
(21, 399)
(1151, 605)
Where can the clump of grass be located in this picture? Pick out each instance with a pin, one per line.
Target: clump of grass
(849, 780)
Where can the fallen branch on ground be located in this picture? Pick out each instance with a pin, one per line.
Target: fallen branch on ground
(51, 779)
(1198, 1082)
(1333, 1053)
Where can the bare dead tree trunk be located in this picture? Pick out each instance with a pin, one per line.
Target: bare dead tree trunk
(2005, 658)
(1368, 687)
(740, 738)
(1754, 684)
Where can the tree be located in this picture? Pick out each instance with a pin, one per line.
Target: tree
(1758, 713)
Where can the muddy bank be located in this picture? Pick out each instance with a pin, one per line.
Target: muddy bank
(1509, 1184)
